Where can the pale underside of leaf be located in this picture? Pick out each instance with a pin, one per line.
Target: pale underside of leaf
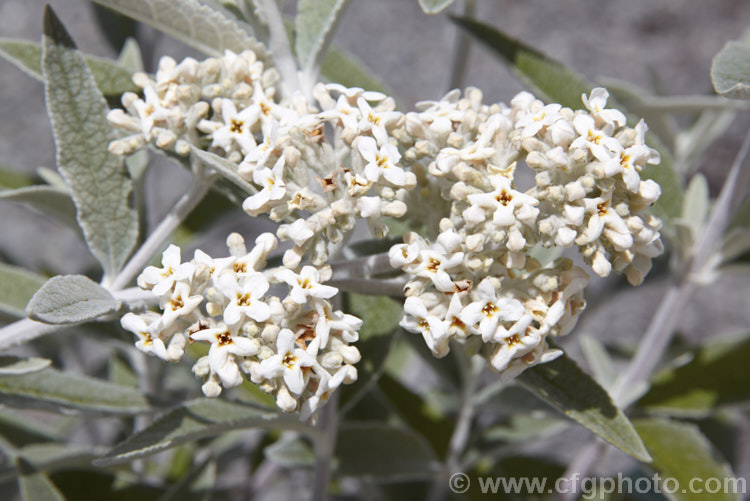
(112, 79)
(197, 419)
(567, 388)
(730, 70)
(193, 23)
(70, 299)
(98, 181)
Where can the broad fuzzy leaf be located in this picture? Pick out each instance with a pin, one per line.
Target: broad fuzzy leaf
(314, 26)
(49, 200)
(434, 6)
(193, 420)
(382, 452)
(564, 386)
(717, 375)
(70, 299)
(56, 388)
(98, 181)
(17, 286)
(191, 22)
(681, 452)
(730, 70)
(551, 81)
(111, 78)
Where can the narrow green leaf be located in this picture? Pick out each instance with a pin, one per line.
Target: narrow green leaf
(193, 420)
(17, 286)
(314, 27)
(681, 452)
(193, 23)
(21, 429)
(341, 67)
(524, 427)
(290, 453)
(35, 486)
(70, 299)
(49, 200)
(564, 386)
(111, 78)
(98, 181)
(56, 388)
(716, 375)
(382, 452)
(730, 70)
(11, 365)
(434, 6)
(552, 81)
(225, 168)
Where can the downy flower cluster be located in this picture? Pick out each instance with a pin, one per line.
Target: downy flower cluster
(317, 166)
(294, 346)
(475, 279)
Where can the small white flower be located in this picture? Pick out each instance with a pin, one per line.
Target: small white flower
(505, 203)
(432, 328)
(274, 188)
(484, 314)
(599, 142)
(226, 345)
(161, 280)
(245, 297)
(376, 122)
(596, 102)
(237, 127)
(306, 284)
(288, 362)
(144, 326)
(179, 304)
(381, 161)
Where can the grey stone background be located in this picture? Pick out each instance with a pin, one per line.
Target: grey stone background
(412, 54)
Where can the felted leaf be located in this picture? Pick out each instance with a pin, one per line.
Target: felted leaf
(70, 299)
(17, 286)
(314, 26)
(730, 70)
(99, 183)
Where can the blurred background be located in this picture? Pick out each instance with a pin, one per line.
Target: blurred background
(665, 46)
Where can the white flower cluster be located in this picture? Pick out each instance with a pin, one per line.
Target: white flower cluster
(317, 165)
(476, 277)
(320, 164)
(297, 347)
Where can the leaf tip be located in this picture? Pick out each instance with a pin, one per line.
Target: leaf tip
(54, 29)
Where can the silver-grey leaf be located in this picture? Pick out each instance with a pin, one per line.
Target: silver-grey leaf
(225, 168)
(70, 299)
(314, 26)
(53, 388)
(730, 70)
(193, 420)
(99, 183)
(111, 78)
(10, 365)
(191, 22)
(49, 200)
